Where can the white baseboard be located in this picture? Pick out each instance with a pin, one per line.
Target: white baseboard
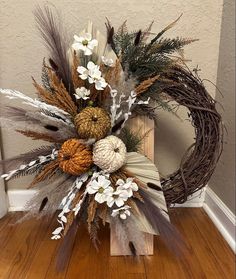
(195, 200)
(18, 199)
(221, 216)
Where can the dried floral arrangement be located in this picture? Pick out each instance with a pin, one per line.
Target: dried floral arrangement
(92, 169)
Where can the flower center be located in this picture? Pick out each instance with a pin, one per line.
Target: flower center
(101, 190)
(85, 42)
(116, 150)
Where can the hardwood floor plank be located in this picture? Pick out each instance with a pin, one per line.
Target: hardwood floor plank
(27, 249)
(79, 262)
(214, 240)
(42, 259)
(164, 263)
(99, 260)
(202, 252)
(28, 252)
(11, 239)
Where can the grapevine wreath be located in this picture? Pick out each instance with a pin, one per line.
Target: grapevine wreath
(92, 169)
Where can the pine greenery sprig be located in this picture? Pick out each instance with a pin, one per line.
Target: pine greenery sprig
(131, 139)
(143, 59)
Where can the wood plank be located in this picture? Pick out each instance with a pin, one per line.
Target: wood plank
(79, 262)
(46, 249)
(30, 237)
(202, 256)
(27, 252)
(11, 238)
(142, 125)
(214, 240)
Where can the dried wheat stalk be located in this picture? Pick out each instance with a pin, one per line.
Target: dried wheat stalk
(47, 172)
(143, 86)
(60, 97)
(39, 136)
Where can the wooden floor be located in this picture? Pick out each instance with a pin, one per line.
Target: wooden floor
(26, 251)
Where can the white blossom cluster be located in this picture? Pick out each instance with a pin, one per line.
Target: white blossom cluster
(105, 193)
(116, 111)
(32, 164)
(91, 72)
(66, 204)
(93, 75)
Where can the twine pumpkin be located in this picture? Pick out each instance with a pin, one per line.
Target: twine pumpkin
(74, 157)
(109, 154)
(92, 122)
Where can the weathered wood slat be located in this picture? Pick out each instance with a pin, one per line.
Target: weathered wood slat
(144, 126)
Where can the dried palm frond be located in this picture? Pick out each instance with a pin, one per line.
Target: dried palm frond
(57, 43)
(66, 246)
(103, 213)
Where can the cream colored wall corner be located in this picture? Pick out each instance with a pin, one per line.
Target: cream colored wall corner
(223, 180)
(21, 54)
(3, 196)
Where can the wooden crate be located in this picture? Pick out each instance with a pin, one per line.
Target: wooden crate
(142, 124)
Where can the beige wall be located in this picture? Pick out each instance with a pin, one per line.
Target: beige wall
(21, 54)
(223, 180)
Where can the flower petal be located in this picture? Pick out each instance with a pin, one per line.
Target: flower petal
(100, 198)
(119, 202)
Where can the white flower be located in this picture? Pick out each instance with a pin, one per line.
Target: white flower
(127, 185)
(57, 236)
(84, 43)
(107, 61)
(82, 93)
(123, 212)
(100, 186)
(118, 197)
(56, 233)
(93, 74)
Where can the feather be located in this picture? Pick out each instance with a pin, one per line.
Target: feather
(53, 64)
(130, 238)
(57, 43)
(51, 127)
(14, 94)
(160, 223)
(65, 249)
(43, 204)
(154, 186)
(132, 248)
(32, 121)
(110, 34)
(54, 191)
